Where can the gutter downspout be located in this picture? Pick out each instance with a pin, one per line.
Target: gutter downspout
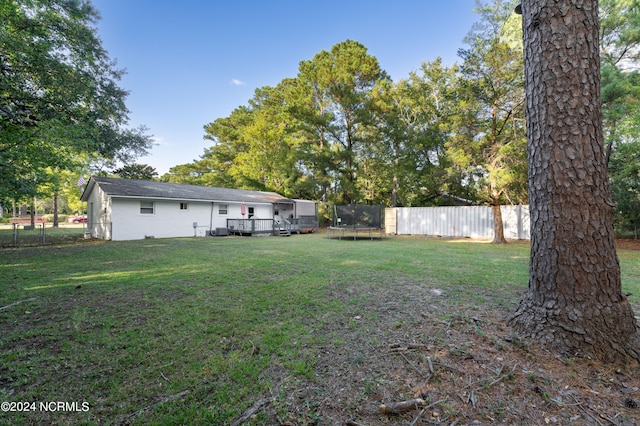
(211, 219)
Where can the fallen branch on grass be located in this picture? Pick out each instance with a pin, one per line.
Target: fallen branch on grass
(448, 367)
(257, 406)
(162, 401)
(417, 370)
(396, 347)
(595, 419)
(399, 407)
(498, 380)
(17, 303)
(425, 409)
(430, 364)
(352, 423)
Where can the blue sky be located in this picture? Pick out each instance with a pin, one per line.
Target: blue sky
(191, 62)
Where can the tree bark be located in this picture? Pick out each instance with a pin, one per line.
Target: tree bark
(32, 213)
(574, 303)
(55, 209)
(498, 226)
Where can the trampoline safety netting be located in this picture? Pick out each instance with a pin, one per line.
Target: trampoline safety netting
(357, 219)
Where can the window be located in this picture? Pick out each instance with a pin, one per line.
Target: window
(222, 208)
(184, 206)
(146, 207)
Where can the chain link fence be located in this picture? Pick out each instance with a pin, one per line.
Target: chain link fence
(24, 235)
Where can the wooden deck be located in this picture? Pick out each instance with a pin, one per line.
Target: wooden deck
(285, 227)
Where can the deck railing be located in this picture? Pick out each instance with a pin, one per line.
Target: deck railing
(303, 224)
(250, 226)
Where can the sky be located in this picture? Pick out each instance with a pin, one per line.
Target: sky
(191, 62)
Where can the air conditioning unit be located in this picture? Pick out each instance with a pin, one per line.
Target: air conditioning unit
(222, 232)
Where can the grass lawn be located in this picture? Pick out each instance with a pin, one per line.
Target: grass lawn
(196, 331)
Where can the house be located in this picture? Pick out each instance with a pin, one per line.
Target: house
(127, 209)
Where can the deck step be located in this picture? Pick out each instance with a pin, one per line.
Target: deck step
(284, 233)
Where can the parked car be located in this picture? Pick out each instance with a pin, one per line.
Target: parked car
(77, 219)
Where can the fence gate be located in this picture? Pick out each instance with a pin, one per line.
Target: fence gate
(391, 221)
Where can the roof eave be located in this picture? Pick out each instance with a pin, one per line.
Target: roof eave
(142, 197)
(87, 190)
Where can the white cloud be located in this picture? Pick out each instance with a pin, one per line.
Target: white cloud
(237, 82)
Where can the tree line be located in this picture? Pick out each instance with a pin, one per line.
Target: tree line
(342, 131)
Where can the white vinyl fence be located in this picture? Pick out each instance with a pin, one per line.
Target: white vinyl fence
(458, 221)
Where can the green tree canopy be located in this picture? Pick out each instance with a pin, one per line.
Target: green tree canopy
(342, 131)
(490, 141)
(414, 122)
(136, 171)
(619, 31)
(624, 170)
(59, 94)
(336, 109)
(306, 137)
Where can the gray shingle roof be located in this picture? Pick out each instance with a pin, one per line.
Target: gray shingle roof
(117, 187)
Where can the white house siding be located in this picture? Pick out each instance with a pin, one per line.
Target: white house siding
(99, 214)
(114, 208)
(260, 211)
(167, 220)
(458, 221)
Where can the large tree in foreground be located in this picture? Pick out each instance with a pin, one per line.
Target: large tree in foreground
(60, 100)
(574, 303)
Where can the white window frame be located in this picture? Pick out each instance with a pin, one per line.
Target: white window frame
(147, 208)
(184, 207)
(223, 209)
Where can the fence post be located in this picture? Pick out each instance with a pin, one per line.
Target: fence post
(44, 238)
(15, 234)
(519, 221)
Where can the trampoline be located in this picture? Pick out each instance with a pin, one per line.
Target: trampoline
(357, 221)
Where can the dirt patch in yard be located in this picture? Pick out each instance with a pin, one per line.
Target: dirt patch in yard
(455, 356)
(628, 243)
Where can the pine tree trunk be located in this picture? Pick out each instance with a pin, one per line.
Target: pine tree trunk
(498, 226)
(574, 302)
